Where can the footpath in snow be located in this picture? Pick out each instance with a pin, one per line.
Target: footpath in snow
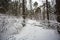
(32, 32)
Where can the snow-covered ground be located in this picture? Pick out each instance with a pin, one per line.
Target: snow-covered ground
(11, 29)
(36, 33)
(9, 25)
(33, 32)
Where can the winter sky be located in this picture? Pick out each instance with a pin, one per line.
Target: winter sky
(40, 2)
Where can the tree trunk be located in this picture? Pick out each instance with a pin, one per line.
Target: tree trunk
(47, 9)
(58, 10)
(44, 12)
(30, 4)
(23, 13)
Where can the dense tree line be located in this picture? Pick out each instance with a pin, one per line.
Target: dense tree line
(17, 8)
